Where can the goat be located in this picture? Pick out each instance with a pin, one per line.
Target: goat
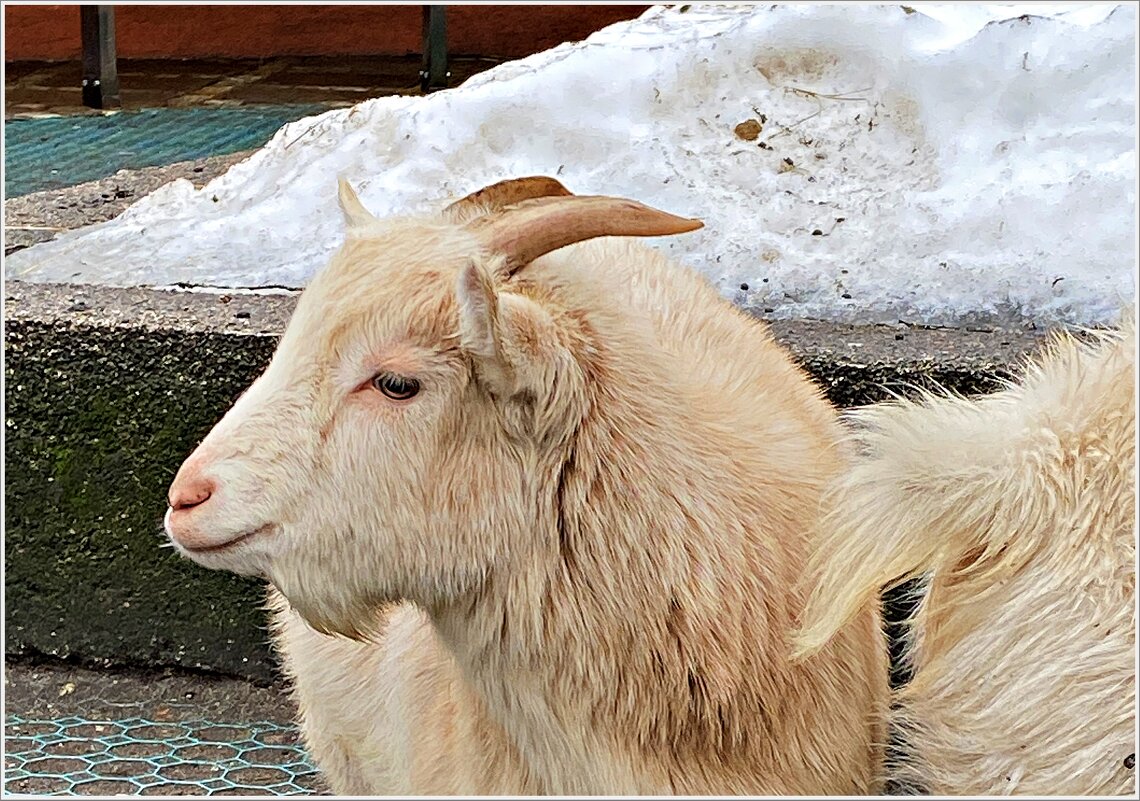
(1018, 508)
(534, 508)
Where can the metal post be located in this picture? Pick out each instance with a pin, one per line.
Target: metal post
(100, 70)
(434, 73)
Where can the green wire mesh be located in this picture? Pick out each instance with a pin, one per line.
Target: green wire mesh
(135, 756)
(51, 152)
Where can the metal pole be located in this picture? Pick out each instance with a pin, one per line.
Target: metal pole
(434, 73)
(100, 70)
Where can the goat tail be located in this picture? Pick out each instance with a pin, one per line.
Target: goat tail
(963, 488)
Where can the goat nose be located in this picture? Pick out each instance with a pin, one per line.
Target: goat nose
(189, 491)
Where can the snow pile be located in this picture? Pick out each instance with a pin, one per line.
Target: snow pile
(851, 163)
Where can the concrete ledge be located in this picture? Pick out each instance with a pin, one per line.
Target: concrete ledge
(109, 389)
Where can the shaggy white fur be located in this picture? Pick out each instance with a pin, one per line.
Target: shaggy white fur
(537, 508)
(1020, 506)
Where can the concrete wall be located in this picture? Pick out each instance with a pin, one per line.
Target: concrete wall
(109, 389)
(51, 32)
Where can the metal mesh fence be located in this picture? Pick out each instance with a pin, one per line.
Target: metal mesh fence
(136, 756)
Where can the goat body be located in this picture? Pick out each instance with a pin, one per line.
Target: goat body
(572, 563)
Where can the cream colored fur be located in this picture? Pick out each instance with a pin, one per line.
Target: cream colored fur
(572, 563)
(1021, 508)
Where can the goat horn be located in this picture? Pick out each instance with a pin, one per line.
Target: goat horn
(504, 193)
(355, 214)
(532, 228)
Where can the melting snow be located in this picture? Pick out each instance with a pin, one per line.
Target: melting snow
(947, 164)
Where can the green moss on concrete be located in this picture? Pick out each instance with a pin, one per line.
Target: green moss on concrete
(98, 420)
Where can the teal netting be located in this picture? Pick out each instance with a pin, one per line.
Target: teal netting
(51, 152)
(75, 756)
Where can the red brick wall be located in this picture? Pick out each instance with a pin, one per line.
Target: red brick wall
(170, 31)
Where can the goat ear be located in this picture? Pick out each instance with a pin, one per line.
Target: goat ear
(479, 328)
(515, 343)
(356, 217)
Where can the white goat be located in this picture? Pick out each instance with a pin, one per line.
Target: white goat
(1021, 508)
(557, 498)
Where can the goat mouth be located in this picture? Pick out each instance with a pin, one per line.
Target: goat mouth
(230, 543)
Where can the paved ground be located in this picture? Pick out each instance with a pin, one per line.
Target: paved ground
(58, 690)
(39, 88)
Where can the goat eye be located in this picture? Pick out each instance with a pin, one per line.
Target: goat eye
(396, 387)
